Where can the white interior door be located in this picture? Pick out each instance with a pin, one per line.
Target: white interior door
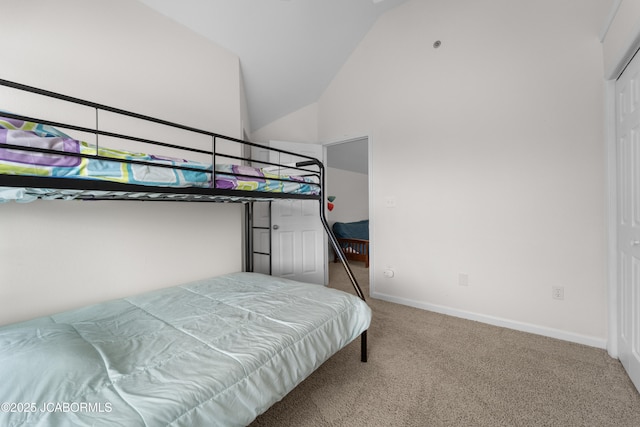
(628, 218)
(297, 241)
(299, 246)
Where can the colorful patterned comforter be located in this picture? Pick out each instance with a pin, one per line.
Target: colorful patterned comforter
(181, 173)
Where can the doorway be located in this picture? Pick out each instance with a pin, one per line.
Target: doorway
(348, 184)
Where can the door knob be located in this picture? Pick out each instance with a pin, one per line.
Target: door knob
(276, 226)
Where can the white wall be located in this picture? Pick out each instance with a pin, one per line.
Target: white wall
(299, 126)
(352, 195)
(58, 255)
(492, 146)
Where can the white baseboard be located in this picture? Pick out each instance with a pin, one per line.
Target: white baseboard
(497, 321)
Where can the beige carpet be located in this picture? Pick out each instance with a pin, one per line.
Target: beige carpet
(428, 369)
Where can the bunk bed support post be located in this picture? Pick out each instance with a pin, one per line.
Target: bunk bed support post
(248, 236)
(352, 278)
(336, 247)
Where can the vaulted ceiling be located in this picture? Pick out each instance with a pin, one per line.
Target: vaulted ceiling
(289, 50)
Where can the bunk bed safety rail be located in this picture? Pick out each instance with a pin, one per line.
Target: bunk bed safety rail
(232, 171)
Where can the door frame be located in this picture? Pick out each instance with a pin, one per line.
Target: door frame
(372, 235)
(611, 165)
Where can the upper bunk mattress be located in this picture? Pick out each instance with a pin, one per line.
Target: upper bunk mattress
(215, 352)
(180, 173)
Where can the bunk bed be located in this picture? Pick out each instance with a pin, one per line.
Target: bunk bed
(214, 352)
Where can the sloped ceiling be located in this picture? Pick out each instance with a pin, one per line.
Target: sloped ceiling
(289, 50)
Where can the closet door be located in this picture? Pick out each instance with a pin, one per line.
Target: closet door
(628, 218)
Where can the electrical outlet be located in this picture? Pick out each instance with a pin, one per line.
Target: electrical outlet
(390, 202)
(463, 279)
(557, 292)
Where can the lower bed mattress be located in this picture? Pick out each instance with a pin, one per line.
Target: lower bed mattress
(215, 352)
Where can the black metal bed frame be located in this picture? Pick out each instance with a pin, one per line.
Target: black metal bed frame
(84, 189)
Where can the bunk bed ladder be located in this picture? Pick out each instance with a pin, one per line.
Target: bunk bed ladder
(250, 233)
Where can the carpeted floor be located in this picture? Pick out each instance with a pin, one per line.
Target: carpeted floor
(428, 369)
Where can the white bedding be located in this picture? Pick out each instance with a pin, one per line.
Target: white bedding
(216, 352)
